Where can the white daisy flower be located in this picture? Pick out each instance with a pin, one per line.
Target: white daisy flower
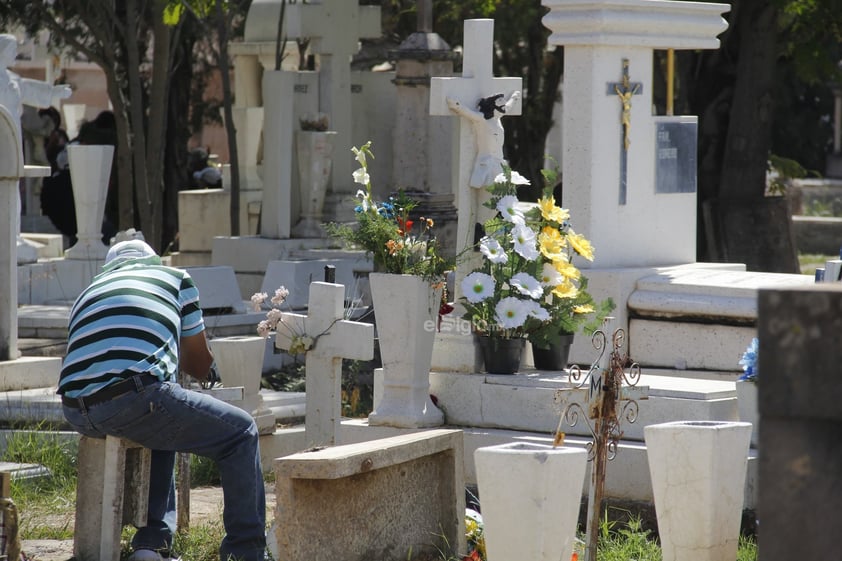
(511, 312)
(518, 179)
(525, 242)
(508, 208)
(477, 287)
(527, 285)
(492, 250)
(550, 275)
(537, 311)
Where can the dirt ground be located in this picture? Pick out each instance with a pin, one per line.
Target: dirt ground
(205, 504)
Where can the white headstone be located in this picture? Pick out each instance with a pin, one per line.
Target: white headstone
(609, 135)
(297, 275)
(481, 143)
(333, 338)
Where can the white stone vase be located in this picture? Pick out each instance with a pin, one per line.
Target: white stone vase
(90, 171)
(315, 160)
(405, 310)
(698, 471)
(239, 360)
(529, 494)
(747, 406)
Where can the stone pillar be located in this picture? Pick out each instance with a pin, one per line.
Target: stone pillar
(11, 169)
(799, 388)
(423, 143)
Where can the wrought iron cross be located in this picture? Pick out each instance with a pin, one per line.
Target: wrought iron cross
(625, 89)
(610, 393)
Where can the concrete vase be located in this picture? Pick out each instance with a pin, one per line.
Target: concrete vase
(315, 160)
(529, 496)
(698, 471)
(240, 363)
(90, 171)
(405, 310)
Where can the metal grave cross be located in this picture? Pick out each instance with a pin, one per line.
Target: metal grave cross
(326, 338)
(610, 393)
(625, 89)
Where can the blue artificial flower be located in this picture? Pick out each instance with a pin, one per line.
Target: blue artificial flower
(749, 362)
(387, 210)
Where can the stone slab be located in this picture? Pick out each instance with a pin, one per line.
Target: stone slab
(410, 487)
(29, 372)
(296, 276)
(688, 345)
(55, 280)
(707, 293)
(526, 401)
(24, 471)
(218, 288)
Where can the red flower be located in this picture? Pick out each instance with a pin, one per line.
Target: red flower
(404, 225)
(472, 556)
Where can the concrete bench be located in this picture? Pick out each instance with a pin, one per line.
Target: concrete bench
(112, 490)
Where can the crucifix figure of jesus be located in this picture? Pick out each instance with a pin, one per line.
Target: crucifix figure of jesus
(625, 89)
(488, 134)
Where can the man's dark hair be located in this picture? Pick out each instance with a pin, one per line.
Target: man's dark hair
(488, 105)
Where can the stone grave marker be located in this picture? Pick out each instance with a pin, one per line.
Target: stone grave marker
(329, 339)
(477, 82)
(296, 276)
(409, 489)
(800, 421)
(218, 289)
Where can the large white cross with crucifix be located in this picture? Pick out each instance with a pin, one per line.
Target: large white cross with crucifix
(333, 338)
(477, 82)
(335, 28)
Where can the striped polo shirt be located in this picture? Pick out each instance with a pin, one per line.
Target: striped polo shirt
(128, 322)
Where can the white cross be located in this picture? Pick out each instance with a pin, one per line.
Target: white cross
(11, 169)
(477, 81)
(334, 339)
(335, 28)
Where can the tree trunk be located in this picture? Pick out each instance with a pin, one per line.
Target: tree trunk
(157, 122)
(229, 119)
(741, 223)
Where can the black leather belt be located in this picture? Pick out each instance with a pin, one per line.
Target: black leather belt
(109, 392)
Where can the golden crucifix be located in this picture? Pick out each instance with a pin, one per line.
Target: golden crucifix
(625, 90)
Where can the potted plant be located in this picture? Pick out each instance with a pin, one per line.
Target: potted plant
(527, 287)
(407, 291)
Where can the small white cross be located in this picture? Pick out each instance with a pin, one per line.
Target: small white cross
(334, 338)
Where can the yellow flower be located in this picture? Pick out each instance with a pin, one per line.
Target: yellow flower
(581, 245)
(566, 290)
(550, 211)
(567, 270)
(552, 244)
(586, 309)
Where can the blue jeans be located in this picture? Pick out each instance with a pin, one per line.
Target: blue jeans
(167, 419)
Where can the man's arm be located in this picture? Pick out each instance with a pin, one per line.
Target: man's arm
(195, 357)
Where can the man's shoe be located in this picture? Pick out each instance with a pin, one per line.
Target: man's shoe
(149, 555)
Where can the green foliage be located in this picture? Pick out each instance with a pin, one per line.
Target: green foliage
(387, 230)
(203, 472)
(45, 504)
